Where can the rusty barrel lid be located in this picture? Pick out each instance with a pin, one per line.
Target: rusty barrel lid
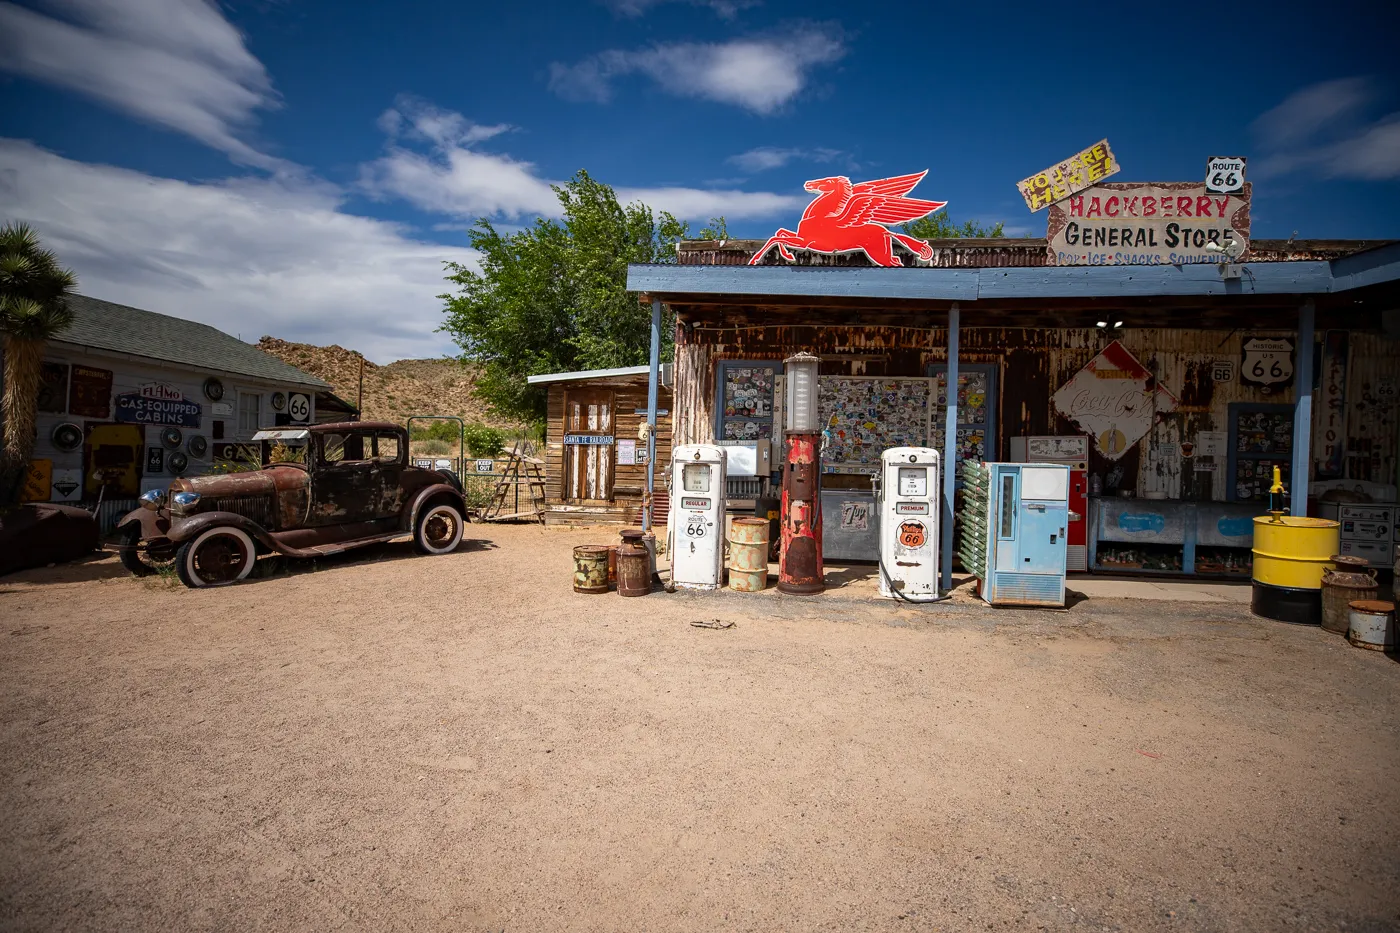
(591, 550)
(628, 549)
(632, 534)
(1347, 561)
(752, 522)
(1373, 606)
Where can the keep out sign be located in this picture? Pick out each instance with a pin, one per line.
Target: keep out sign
(1156, 224)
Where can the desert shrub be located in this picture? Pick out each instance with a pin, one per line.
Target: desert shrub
(484, 441)
(476, 490)
(435, 431)
(436, 448)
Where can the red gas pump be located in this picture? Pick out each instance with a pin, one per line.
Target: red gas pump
(800, 559)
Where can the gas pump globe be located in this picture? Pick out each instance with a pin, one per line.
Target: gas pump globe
(800, 557)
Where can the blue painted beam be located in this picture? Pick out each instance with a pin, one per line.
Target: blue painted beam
(805, 281)
(1021, 282)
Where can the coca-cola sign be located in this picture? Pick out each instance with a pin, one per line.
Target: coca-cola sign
(1111, 401)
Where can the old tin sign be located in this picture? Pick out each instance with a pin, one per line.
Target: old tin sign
(1332, 405)
(1110, 400)
(1166, 223)
(1073, 175)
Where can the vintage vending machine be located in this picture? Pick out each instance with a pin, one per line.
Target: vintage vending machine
(697, 516)
(1015, 520)
(1072, 451)
(907, 503)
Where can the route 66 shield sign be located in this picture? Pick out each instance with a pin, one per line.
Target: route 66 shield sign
(1267, 362)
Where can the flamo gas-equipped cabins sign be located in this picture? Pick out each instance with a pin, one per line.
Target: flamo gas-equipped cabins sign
(1119, 224)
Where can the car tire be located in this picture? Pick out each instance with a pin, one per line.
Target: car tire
(217, 557)
(137, 562)
(438, 529)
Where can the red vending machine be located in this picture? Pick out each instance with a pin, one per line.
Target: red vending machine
(1073, 452)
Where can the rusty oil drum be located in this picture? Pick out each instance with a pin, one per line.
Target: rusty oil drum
(1372, 624)
(591, 568)
(748, 554)
(1352, 580)
(633, 570)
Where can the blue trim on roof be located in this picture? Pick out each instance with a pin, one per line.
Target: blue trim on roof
(1314, 277)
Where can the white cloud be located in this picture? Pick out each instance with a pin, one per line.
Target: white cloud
(768, 157)
(724, 9)
(452, 177)
(760, 74)
(1323, 129)
(250, 256)
(174, 63)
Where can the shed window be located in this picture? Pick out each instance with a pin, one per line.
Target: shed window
(249, 412)
(744, 408)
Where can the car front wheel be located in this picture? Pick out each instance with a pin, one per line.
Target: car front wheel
(439, 529)
(143, 563)
(217, 557)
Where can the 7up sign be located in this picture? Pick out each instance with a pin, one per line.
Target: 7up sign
(1267, 362)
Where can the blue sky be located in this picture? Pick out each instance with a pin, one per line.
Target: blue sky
(303, 168)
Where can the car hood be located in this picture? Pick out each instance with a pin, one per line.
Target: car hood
(268, 481)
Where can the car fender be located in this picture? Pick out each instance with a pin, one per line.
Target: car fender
(187, 529)
(154, 524)
(437, 490)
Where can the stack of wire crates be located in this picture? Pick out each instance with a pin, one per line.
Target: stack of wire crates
(972, 546)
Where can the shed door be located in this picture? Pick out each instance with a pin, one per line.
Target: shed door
(588, 445)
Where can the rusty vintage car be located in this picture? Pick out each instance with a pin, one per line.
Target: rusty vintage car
(321, 490)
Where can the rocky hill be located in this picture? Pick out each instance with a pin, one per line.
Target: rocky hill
(392, 392)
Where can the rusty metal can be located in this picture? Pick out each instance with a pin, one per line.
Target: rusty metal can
(1342, 587)
(612, 565)
(633, 570)
(591, 568)
(748, 554)
(1372, 624)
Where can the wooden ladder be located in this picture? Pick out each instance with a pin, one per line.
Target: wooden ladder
(521, 470)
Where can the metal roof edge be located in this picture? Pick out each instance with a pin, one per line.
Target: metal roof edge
(542, 378)
(302, 379)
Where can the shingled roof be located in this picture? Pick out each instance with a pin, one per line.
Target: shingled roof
(103, 325)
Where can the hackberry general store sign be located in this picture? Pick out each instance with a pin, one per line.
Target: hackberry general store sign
(1169, 223)
(1110, 400)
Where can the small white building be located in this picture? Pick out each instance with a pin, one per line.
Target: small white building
(131, 399)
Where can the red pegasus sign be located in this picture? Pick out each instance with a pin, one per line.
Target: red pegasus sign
(847, 218)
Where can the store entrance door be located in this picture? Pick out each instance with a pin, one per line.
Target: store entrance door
(588, 445)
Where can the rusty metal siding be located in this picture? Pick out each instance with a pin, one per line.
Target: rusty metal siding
(1034, 362)
(991, 252)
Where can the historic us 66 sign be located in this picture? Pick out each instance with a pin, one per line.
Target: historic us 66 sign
(1267, 362)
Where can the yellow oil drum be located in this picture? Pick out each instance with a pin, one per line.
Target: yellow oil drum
(748, 554)
(1290, 556)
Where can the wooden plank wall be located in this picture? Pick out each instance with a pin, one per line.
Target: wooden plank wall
(629, 482)
(1034, 362)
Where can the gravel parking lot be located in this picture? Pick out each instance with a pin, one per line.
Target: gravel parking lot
(390, 742)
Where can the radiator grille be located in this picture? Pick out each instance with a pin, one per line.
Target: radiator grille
(1027, 589)
(258, 508)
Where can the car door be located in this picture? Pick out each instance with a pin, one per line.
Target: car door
(344, 487)
(390, 457)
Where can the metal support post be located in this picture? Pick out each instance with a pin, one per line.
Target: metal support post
(1302, 413)
(652, 380)
(950, 455)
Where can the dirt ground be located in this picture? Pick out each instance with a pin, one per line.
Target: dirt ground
(390, 742)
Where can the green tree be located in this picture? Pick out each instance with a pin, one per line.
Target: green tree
(33, 289)
(553, 297)
(939, 226)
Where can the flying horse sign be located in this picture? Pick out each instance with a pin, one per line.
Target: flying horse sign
(847, 218)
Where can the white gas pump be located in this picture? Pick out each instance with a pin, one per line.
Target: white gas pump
(908, 492)
(697, 516)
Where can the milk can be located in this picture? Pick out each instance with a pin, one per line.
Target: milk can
(1352, 580)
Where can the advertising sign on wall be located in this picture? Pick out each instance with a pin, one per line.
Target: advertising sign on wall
(1266, 362)
(1080, 171)
(1110, 400)
(154, 405)
(1149, 224)
(1332, 405)
(90, 392)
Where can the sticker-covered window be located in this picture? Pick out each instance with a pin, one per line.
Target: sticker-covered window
(745, 404)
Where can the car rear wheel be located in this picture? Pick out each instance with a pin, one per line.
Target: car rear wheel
(143, 563)
(217, 557)
(439, 529)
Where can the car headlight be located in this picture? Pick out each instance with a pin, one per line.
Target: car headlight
(152, 499)
(185, 499)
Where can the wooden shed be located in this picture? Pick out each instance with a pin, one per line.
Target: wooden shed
(595, 458)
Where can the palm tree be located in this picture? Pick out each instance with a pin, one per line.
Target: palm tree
(33, 309)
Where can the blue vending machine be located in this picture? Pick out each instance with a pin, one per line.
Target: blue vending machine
(1018, 517)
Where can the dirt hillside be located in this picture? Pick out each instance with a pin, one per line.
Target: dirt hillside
(392, 392)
